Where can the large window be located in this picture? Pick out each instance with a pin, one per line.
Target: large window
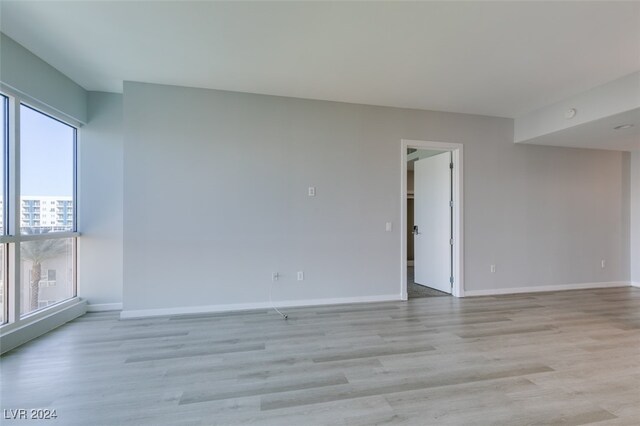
(47, 149)
(38, 211)
(46, 273)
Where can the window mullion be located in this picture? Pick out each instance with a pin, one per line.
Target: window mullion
(34, 237)
(13, 211)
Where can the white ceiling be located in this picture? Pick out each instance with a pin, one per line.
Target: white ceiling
(492, 58)
(598, 134)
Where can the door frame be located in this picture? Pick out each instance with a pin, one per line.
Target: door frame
(458, 229)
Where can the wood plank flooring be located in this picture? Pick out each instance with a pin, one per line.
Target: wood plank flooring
(567, 358)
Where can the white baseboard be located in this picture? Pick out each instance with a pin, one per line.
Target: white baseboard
(635, 284)
(143, 313)
(544, 288)
(103, 307)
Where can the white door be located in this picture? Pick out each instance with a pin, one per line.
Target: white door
(432, 219)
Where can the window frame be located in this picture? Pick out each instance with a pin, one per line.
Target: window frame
(5, 164)
(74, 190)
(12, 236)
(4, 169)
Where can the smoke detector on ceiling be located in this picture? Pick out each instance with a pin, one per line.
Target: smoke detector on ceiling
(570, 113)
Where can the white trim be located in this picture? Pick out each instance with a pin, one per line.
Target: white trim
(142, 313)
(458, 217)
(16, 334)
(633, 284)
(103, 307)
(546, 288)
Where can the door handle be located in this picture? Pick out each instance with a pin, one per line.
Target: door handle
(415, 230)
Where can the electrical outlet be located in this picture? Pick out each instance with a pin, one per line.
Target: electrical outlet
(300, 275)
(388, 227)
(275, 276)
(493, 269)
(603, 263)
(312, 191)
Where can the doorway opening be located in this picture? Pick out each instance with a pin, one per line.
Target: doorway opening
(431, 209)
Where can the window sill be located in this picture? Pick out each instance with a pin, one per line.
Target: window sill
(34, 325)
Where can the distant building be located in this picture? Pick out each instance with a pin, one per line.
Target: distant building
(42, 214)
(38, 215)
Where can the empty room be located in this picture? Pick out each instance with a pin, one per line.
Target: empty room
(319, 213)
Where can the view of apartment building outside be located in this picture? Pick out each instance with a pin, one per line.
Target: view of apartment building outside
(39, 215)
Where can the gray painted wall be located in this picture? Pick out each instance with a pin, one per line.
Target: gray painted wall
(635, 217)
(215, 199)
(100, 220)
(29, 75)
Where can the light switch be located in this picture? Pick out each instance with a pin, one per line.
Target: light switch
(389, 227)
(312, 191)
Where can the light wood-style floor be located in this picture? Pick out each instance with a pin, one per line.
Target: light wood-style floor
(555, 358)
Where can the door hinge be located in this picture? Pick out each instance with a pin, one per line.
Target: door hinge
(451, 241)
(451, 165)
(451, 203)
(451, 280)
